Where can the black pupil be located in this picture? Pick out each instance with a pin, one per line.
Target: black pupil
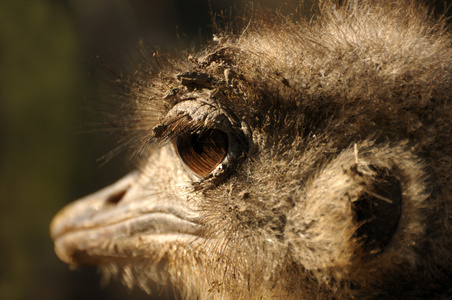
(197, 144)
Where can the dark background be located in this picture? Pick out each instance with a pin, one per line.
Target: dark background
(51, 54)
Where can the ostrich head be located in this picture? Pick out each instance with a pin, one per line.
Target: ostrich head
(296, 159)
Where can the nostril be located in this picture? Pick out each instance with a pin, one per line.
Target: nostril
(116, 197)
(378, 211)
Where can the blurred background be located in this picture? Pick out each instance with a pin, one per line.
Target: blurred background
(51, 55)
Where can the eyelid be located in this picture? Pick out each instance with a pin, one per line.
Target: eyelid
(194, 116)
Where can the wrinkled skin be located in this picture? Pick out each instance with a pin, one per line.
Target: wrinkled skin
(293, 160)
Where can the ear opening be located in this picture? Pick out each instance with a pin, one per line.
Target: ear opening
(378, 211)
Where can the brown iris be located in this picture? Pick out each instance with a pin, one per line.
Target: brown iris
(202, 153)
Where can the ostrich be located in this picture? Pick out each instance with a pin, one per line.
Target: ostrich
(297, 159)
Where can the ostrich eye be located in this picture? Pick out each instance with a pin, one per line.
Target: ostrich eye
(202, 152)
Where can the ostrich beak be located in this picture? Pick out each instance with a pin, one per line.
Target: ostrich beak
(117, 223)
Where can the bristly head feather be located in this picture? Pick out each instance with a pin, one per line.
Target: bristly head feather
(298, 95)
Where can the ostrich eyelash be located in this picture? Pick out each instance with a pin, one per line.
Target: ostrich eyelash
(173, 127)
(170, 128)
